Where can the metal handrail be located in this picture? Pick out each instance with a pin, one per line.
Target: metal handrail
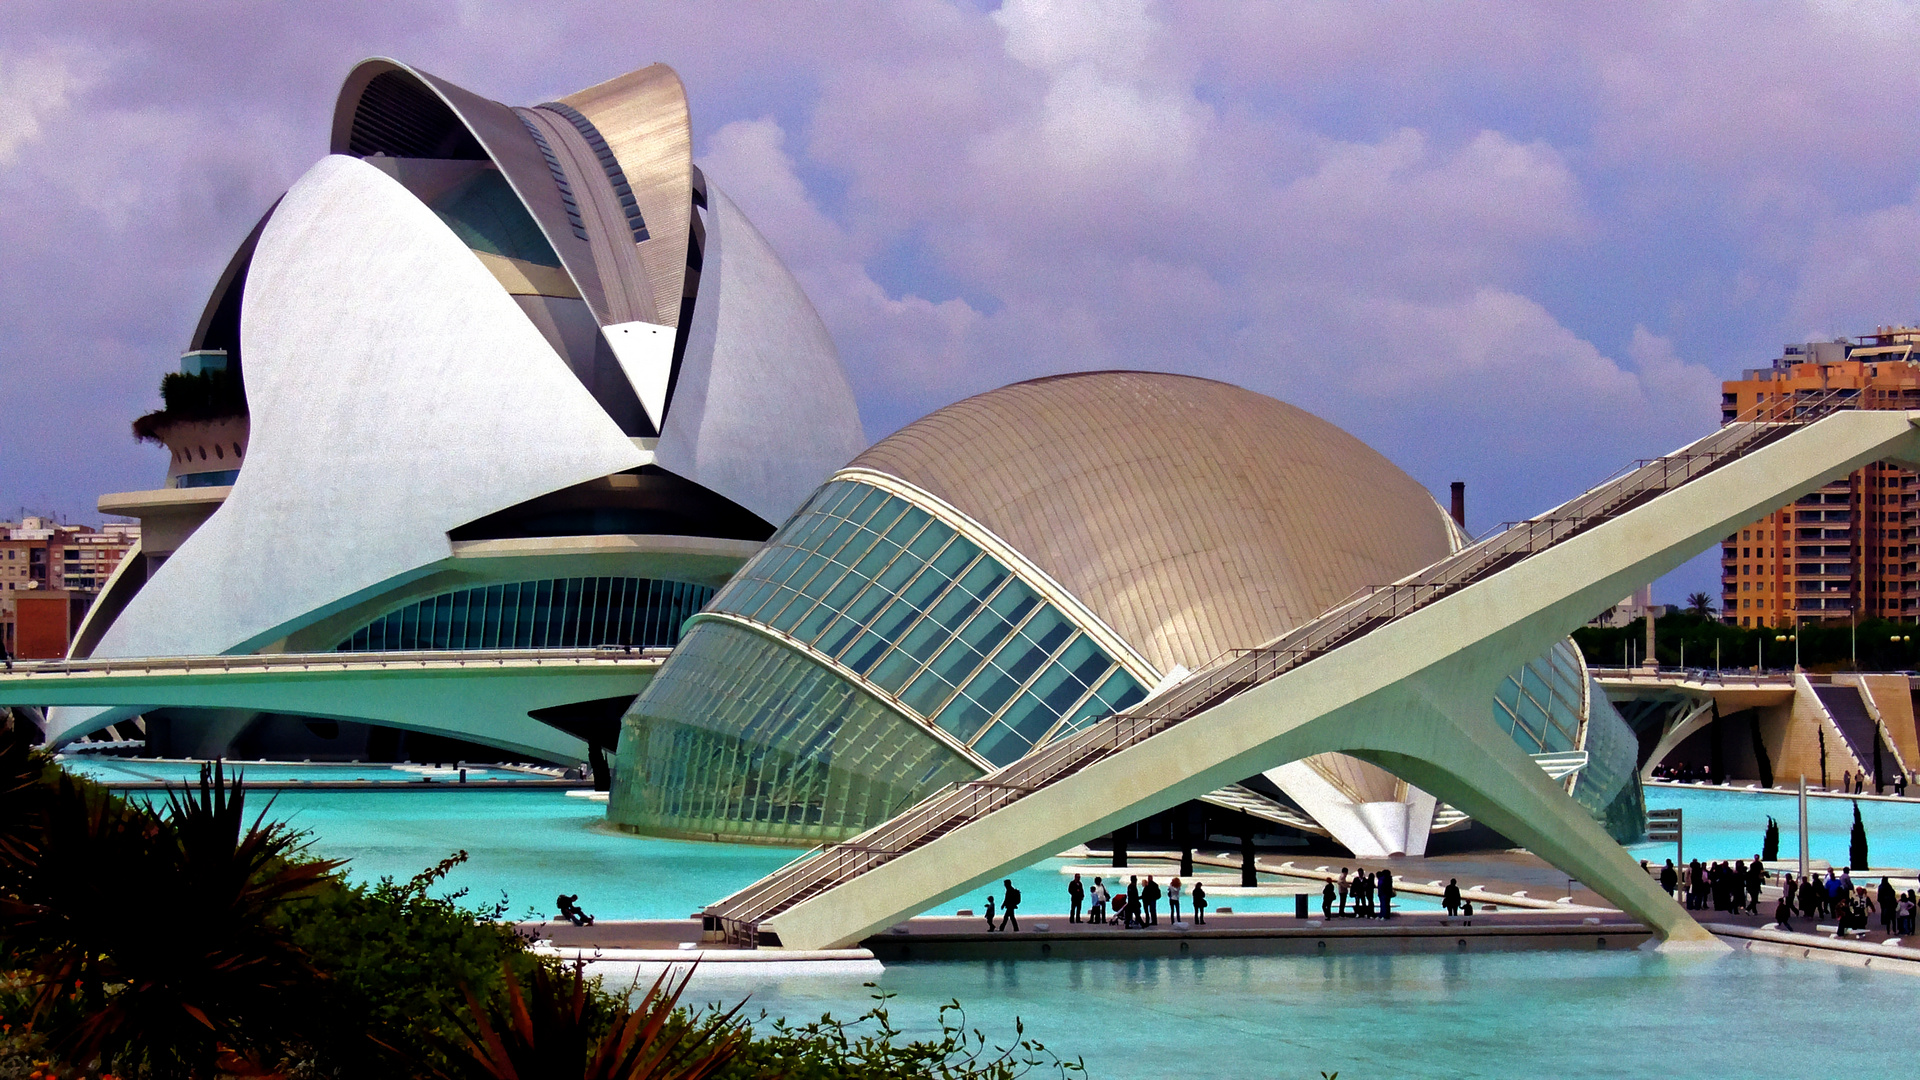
(322, 659)
(1238, 670)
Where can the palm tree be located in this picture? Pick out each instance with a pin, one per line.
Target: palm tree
(148, 939)
(549, 1033)
(1700, 604)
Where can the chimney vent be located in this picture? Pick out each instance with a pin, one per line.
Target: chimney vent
(1460, 504)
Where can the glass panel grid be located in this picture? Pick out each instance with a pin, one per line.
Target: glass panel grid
(893, 593)
(559, 613)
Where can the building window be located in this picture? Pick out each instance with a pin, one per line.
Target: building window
(563, 613)
(923, 614)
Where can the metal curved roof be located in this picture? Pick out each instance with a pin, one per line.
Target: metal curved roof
(1193, 516)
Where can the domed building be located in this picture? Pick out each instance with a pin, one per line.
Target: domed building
(1021, 563)
(486, 377)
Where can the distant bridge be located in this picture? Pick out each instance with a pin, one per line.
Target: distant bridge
(439, 693)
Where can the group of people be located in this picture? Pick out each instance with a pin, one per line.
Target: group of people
(1736, 889)
(1851, 783)
(1850, 906)
(1733, 888)
(1137, 907)
(1371, 894)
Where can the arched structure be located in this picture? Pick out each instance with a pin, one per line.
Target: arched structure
(1398, 677)
(996, 575)
(477, 353)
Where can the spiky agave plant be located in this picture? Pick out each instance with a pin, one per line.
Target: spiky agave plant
(150, 936)
(549, 1033)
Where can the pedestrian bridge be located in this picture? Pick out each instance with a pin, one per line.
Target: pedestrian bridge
(1776, 724)
(435, 692)
(1399, 676)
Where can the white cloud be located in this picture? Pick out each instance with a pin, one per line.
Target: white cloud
(36, 87)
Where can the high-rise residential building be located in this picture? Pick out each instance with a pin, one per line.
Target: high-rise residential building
(1845, 551)
(42, 559)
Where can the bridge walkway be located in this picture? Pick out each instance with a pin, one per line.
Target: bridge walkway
(742, 917)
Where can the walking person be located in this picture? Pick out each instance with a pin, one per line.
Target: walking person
(1173, 901)
(1150, 898)
(1450, 899)
(990, 926)
(1076, 893)
(1009, 904)
(1199, 905)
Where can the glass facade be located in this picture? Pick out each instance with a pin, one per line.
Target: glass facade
(1539, 705)
(893, 593)
(487, 216)
(1609, 787)
(932, 628)
(742, 738)
(221, 478)
(561, 613)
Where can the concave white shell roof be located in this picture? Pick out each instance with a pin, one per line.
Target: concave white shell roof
(396, 392)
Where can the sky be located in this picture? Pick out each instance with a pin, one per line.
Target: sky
(1514, 245)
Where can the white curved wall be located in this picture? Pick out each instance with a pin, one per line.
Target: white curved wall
(762, 412)
(396, 392)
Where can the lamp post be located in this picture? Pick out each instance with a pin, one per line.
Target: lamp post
(1795, 638)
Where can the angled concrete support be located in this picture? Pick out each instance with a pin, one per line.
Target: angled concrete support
(1410, 695)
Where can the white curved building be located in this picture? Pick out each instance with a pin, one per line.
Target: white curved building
(514, 378)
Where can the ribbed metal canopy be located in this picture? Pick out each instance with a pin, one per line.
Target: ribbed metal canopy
(1192, 515)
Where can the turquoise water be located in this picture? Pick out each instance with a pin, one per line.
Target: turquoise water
(1538, 1014)
(1724, 824)
(532, 845)
(135, 770)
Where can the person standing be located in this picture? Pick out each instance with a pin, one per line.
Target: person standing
(1076, 893)
(1009, 904)
(1343, 892)
(1098, 912)
(1450, 898)
(1889, 905)
(1133, 901)
(1199, 905)
(1150, 897)
(1173, 901)
(1326, 900)
(1669, 878)
(1385, 888)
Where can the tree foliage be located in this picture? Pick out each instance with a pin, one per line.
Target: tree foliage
(187, 941)
(211, 395)
(1857, 843)
(145, 938)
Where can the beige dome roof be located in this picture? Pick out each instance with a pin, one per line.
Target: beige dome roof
(1193, 516)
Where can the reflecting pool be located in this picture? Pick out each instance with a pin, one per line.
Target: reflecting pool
(1534, 1014)
(1727, 824)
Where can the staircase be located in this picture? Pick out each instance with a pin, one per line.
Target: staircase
(1850, 718)
(737, 918)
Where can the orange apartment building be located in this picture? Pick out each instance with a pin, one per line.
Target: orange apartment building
(1847, 551)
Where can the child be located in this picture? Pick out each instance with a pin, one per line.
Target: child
(990, 926)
